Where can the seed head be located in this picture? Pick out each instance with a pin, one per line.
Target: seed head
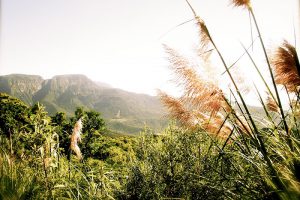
(271, 104)
(286, 65)
(241, 3)
(75, 138)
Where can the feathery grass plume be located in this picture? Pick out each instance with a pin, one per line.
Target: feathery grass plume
(202, 103)
(215, 123)
(177, 110)
(204, 49)
(202, 96)
(199, 91)
(199, 108)
(271, 105)
(241, 80)
(286, 65)
(241, 3)
(207, 37)
(75, 138)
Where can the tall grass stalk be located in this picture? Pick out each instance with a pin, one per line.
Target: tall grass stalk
(206, 31)
(270, 71)
(257, 137)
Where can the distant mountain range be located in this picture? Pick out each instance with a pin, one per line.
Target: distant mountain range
(124, 111)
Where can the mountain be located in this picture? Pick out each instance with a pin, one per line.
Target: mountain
(124, 111)
(22, 86)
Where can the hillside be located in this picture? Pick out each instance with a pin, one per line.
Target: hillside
(124, 111)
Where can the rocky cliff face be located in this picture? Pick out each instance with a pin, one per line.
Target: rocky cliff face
(22, 86)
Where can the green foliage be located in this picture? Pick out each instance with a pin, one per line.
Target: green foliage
(16, 182)
(93, 127)
(13, 114)
(177, 163)
(188, 165)
(63, 129)
(118, 126)
(116, 151)
(91, 180)
(37, 168)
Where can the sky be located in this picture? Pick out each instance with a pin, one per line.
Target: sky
(119, 42)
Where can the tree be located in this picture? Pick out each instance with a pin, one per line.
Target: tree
(13, 114)
(93, 127)
(13, 117)
(64, 129)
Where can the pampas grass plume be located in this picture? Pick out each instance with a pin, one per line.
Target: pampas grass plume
(75, 138)
(241, 3)
(271, 104)
(286, 65)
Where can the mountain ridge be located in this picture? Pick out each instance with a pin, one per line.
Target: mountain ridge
(66, 92)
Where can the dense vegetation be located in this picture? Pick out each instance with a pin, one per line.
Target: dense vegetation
(36, 160)
(215, 148)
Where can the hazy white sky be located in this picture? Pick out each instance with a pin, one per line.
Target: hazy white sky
(120, 41)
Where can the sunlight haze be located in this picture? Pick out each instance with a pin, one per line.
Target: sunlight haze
(120, 41)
